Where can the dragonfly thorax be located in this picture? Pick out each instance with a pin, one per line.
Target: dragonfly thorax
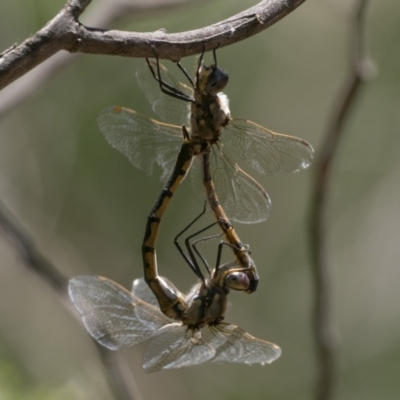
(206, 304)
(209, 117)
(210, 110)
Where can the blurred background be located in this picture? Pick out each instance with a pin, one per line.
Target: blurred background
(86, 207)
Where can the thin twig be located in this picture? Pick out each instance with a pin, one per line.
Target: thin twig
(102, 13)
(120, 380)
(65, 32)
(323, 321)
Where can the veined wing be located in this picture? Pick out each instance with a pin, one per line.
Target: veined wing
(168, 108)
(183, 347)
(113, 315)
(234, 345)
(143, 140)
(141, 289)
(177, 347)
(266, 151)
(243, 199)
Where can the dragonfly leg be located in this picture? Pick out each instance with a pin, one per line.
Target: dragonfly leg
(189, 247)
(190, 260)
(164, 86)
(200, 60)
(220, 247)
(182, 68)
(215, 55)
(195, 243)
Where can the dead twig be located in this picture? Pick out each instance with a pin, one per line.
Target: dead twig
(65, 32)
(103, 14)
(120, 381)
(323, 321)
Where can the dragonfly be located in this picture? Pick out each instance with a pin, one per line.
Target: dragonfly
(146, 141)
(117, 318)
(185, 335)
(203, 110)
(171, 301)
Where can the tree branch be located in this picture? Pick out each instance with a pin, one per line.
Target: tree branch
(65, 32)
(324, 325)
(120, 380)
(103, 14)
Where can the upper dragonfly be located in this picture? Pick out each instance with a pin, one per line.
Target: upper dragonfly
(201, 111)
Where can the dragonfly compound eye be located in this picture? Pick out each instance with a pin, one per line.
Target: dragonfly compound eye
(237, 281)
(217, 81)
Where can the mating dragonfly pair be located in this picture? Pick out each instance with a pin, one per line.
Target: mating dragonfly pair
(188, 330)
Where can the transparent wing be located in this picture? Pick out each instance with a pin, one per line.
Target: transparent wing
(111, 314)
(243, 199)
(143, 140)
(266, 151)
(141, 290)
(234, 345)
(177, 347)
(182, 347)
(168, 108)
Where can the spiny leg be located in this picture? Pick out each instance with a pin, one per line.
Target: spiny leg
(219, 254)
(215, 55)
(190, 260)
(189, 247)
(197, 251)
(199, 66)
(182, 68)
(164, 86)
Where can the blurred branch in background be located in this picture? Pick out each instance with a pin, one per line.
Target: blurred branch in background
(324, 325)
(65, 32)
(120, 379)
(103, 14)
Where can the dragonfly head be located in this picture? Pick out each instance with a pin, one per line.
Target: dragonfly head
(232, 276)
(237, 281)
(212, 80)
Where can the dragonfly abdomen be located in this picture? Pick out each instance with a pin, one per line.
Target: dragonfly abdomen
(240, 250)
(170, 299)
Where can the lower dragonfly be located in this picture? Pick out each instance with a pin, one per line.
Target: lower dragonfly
(192, 335)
